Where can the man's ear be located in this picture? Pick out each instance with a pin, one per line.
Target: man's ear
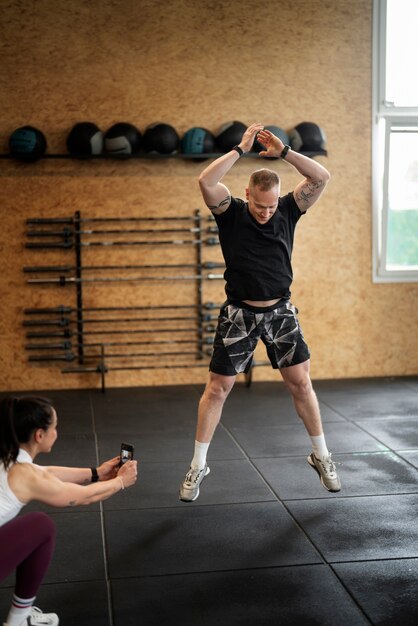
(247, 193)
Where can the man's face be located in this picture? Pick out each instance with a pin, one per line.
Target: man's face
(262, 204)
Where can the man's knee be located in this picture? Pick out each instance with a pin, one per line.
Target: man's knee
(299, 384)
(218, 386)
(302, 388)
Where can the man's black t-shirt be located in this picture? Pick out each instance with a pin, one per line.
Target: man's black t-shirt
(258, 256)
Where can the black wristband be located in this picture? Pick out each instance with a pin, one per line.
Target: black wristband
(239, 150)
(284, 152)
(94, 475)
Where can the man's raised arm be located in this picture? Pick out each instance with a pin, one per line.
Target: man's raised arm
(215, 194)
(308, 191)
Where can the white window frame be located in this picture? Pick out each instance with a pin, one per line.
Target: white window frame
(385, 115)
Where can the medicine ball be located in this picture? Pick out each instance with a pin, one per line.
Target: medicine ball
(276, 130)
(161, 138)
(27, 143)
(122, 140)
(197, 141)
(308, 138)
(230, 135)
(85, 139)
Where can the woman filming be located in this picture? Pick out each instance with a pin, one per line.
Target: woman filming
(28, 426)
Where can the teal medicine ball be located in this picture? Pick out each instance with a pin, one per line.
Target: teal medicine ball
(197, 140)
(27, 143)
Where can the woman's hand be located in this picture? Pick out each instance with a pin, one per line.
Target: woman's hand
(129, 473)
(108, 469)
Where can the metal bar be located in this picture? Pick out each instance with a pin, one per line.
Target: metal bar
(64, 280)
(84, 220)
(70, 356)
(65, 345)
(66, 332)
(67, 232)
(132, 355)
(68, 345)
(56, 357)
(63, 334)
(211, 241)
(65, 321)
(92, 370)
(49, 246)
(62, 309)
(70, 268)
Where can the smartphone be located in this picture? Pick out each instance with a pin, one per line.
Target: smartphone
(126, 453)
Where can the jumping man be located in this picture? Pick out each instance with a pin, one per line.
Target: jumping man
(256, 238)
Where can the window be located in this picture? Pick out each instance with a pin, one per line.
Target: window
(395, 141)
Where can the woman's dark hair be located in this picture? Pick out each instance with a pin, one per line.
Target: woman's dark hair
(19, 418)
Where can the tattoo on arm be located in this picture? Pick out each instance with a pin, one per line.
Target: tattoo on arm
(71, 503)
(223, 203)
(309, 191)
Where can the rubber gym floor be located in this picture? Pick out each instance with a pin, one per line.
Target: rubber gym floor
(265, 543)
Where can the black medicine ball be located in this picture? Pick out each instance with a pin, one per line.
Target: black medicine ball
(308, 138)
(197, 141)
(27, 143)
(276, 130)
(230, 135)
(122, 140)
(84, 140)
(161, 138)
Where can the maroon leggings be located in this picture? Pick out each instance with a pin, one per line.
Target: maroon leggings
(26, 545)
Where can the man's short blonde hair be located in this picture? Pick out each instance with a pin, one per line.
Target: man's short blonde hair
(264, 179)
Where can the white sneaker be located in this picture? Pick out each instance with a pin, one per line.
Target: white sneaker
(327, 472)
(37, 618)
(189, 489)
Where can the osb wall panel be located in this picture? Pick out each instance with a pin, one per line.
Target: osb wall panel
(190, 63)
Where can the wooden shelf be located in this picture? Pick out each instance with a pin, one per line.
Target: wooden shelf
(150, 156)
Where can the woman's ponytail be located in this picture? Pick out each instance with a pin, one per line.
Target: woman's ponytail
(9, 445)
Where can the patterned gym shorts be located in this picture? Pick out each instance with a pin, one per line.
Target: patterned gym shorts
(239, 330)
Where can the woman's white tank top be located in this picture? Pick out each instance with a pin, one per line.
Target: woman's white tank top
(10, 506)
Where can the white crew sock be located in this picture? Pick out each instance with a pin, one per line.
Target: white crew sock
(319, 447)
(200, 452)
(19, 610)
